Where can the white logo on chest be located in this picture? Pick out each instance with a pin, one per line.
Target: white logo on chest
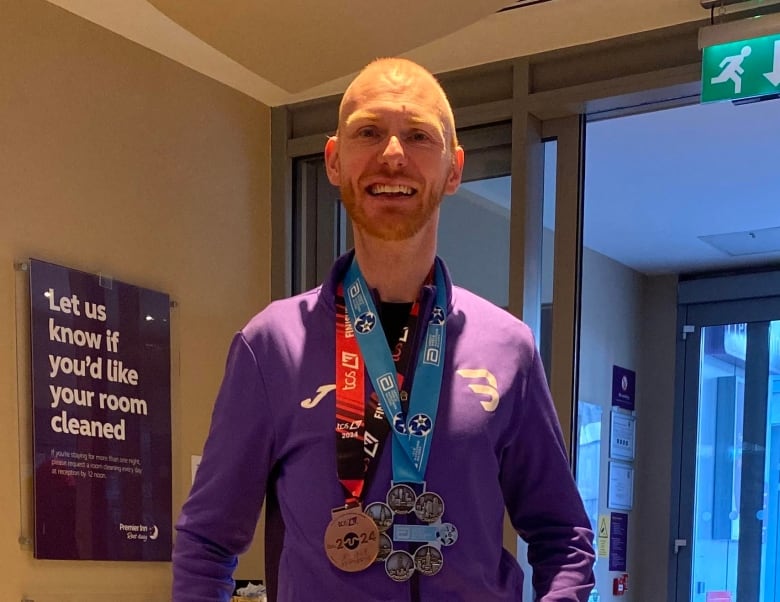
(322, 391)
(490, 389)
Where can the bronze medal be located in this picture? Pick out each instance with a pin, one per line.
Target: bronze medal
(351, 540)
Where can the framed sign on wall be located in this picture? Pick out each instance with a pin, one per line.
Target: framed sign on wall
(101, 393)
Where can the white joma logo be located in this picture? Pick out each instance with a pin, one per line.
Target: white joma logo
(322, 391)
(490, 389)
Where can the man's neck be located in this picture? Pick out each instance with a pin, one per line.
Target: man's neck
(396, 269)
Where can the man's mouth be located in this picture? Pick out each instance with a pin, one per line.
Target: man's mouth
(390, 190)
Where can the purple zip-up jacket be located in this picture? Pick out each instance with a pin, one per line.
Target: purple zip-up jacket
(497, 444)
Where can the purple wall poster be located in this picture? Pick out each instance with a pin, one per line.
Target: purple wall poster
(618, 541)
(101, 392)
(623, 387)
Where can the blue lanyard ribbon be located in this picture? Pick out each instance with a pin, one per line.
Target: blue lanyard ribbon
(412, 431)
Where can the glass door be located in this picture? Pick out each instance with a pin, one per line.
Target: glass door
(727, 546)
(474, 223)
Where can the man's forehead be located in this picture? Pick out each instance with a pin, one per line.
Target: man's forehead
(393, 75)
(369, 96)
(410, 112)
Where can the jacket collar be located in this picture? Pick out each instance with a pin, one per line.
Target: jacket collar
(327, 294)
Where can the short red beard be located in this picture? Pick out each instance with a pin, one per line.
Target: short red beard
(398, 227)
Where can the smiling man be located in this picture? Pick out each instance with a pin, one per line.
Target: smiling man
(389, 417)
(394, 157)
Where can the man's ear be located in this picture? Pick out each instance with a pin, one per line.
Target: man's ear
(332, 160)
(456, 172)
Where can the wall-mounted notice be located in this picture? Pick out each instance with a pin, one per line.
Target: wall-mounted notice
(620, 487)
(603, 536)
(623, 387)
(618, 541)
(102, 417)
(622, 435)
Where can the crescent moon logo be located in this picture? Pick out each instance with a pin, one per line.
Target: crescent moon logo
(154, 534)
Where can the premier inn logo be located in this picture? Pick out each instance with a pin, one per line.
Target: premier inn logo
(139, 532)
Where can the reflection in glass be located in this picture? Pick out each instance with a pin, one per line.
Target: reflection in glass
(474, 237)
(735, 537)
(589, 458)
(548, 254)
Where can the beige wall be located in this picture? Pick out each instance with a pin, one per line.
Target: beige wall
(654, 429)
(628, 319)
(610, 335)
(116, 160)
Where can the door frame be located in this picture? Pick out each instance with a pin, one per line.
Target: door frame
(702, 302)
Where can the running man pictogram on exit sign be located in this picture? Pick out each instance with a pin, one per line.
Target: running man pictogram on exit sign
(742, 69)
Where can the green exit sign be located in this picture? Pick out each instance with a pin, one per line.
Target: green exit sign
(744, 69)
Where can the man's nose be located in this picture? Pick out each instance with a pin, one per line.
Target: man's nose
(393, 155)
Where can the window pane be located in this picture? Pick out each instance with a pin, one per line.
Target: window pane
(474, 237)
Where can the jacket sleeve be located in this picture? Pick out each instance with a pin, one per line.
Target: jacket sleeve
(218, 520)
(542, 499)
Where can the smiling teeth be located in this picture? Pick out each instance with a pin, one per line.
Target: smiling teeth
(391, 189)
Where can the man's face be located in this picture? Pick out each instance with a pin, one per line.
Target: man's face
(393, 158)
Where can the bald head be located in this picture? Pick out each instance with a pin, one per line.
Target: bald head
(404, 77)
(395, 154)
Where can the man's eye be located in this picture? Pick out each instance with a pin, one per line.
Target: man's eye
(419, 136)
(369, 132)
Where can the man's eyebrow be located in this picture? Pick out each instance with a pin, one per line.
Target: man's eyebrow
(361, 116)
(371, 117)
(413, 120)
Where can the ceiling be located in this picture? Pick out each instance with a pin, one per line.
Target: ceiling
(241, 42)
(655, 183)
(662, 187)
(255, 34)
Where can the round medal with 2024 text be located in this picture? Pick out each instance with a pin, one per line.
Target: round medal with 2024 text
(351, 540)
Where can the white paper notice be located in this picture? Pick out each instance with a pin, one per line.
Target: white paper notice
(620, 494)
(622, 436)
(195, 463)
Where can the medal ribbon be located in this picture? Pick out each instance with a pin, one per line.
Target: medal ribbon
(412, 430)
(350, 408)
(361, 427)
